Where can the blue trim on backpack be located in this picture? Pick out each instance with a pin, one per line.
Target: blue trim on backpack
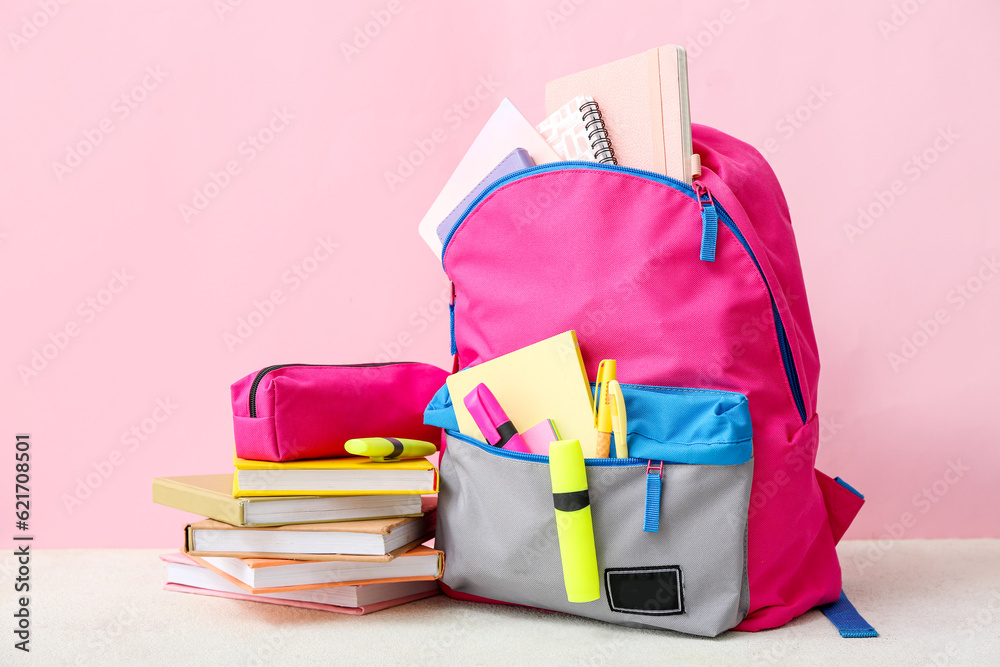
(541, 458)
(440, 412)
(847, 620)
(784, 346)
(848, 487)
(675, 425)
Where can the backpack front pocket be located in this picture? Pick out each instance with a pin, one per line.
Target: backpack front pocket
(685, 572)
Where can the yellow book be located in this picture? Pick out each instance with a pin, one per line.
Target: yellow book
(350, 476)
(546, 380)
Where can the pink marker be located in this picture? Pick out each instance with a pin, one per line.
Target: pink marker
(492, 421)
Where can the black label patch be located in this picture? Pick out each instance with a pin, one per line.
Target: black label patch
(653, 591)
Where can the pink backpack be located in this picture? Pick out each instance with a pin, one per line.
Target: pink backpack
(695, 288)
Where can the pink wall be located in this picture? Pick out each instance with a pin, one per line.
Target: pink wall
(887, 107)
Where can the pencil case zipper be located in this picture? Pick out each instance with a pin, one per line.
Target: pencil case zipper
(268, 369)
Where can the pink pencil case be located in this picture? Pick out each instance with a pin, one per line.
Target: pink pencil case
(289, 412)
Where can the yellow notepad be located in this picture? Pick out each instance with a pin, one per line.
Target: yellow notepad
(546, 380)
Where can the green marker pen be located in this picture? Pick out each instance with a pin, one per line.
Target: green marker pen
(573, 521)
(383, 450)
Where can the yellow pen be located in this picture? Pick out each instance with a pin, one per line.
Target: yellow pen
(606, 372)
(619, 420)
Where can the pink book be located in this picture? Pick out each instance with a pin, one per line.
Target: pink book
(234, 593)
(644, 103)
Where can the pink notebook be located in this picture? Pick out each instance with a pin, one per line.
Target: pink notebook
(354, 611)
(182, 559)
(644, 103)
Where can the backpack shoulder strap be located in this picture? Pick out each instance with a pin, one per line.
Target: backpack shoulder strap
(846, 618)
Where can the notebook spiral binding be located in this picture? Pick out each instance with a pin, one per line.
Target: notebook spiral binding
(597, 133)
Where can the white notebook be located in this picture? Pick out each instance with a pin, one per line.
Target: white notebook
(506, 130)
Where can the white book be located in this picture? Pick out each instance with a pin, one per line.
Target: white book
(263, 575)
(506, 130)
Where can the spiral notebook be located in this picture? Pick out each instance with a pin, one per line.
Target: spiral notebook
(576, 131)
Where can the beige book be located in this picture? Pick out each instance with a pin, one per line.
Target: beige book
(212, 496)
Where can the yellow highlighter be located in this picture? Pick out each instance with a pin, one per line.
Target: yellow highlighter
(606, 372)
(382, 450)
(619, 420)
(574, 523)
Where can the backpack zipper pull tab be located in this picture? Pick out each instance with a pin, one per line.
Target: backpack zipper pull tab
(709, 221)
(654, 475)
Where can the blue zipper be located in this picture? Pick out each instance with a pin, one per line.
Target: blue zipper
(539, 458)
(555, 166)
(651, 514)
(709, 209)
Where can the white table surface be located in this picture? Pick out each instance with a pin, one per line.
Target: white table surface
(934, 602)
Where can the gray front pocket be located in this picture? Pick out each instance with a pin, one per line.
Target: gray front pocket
(496, 524)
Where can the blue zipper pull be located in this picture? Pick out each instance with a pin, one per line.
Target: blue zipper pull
(709, 221)
(651, 523)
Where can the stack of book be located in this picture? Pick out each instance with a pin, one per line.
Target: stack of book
(343, 535)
